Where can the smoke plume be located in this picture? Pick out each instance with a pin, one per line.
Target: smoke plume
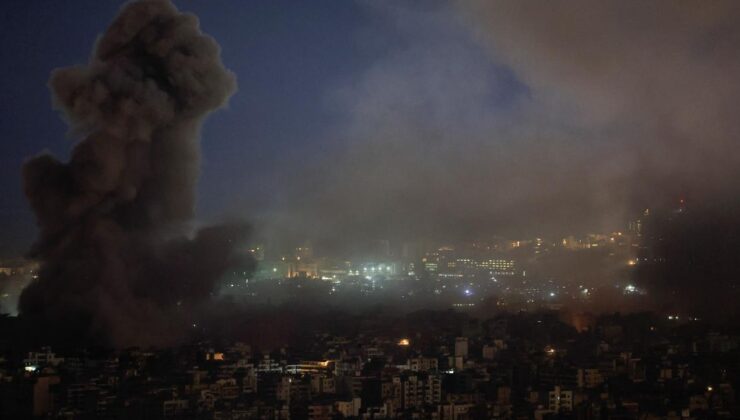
(120, 264)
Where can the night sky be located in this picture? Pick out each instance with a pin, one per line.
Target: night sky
(399, 120)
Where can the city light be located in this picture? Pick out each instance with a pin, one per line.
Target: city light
(404, 342)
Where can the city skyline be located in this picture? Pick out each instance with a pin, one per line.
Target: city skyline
(369, 209)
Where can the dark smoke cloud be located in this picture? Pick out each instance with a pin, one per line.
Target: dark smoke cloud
(119, 265)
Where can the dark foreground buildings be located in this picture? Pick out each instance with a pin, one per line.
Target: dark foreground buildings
(425, 365)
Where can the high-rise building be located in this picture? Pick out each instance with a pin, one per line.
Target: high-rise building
(461, 347)
(560, 400)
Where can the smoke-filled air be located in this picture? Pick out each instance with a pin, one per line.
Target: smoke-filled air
(437, 209)
(486, 155)
(121, 262)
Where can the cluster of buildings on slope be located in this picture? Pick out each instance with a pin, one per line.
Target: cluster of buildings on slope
(511, 366)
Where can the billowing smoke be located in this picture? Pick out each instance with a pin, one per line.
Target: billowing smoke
(120, 264)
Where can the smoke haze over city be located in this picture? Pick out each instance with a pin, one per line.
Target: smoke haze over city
(437, 141)
(488, 117)
(369, 209)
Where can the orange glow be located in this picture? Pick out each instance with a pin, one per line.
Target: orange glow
(404, 342)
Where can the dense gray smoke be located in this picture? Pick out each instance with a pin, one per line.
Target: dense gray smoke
(659, 82)
(530, 118)
(119, 263)
(526, 119)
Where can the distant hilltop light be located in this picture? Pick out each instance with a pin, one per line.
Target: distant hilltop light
(404, 342)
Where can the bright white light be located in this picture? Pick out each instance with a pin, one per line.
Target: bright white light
(552, 294)
(30, 368)
(468, 292)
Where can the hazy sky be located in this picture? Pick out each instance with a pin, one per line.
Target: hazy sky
(400, 119)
